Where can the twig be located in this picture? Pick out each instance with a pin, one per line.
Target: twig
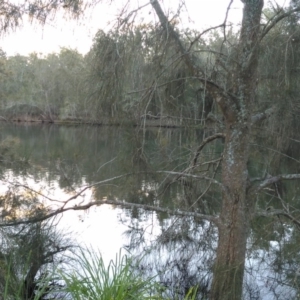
(204, 142)
(183, 174)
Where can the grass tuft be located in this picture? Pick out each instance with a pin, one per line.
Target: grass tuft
(92, 280)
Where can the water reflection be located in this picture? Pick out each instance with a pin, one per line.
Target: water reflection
(58, 161)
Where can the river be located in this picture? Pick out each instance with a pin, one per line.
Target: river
(58, 161)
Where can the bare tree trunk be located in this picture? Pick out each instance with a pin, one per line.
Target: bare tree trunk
(236, 103)
(234, 218)
(237, 208)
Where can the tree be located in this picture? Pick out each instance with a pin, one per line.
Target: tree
(232, 84)
(236, 103)
(235, 95)
(236, 99)
(12, 13)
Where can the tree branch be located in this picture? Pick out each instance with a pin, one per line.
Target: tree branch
(276, 19)
(65, 202)
(177, 212)
(188, 57)
(263, 115)
(273, 179)
(204, 142)
(183, 174)
(278, 212)
(222, 25)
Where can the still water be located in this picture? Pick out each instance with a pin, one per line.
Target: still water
(58, 161)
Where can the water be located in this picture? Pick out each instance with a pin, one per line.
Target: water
(58, 161)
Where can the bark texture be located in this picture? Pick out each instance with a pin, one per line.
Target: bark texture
(236, 206)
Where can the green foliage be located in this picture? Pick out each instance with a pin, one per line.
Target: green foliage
(12, 13)
(127, 75)
(91, 279)
(13, 287)
(53, 85)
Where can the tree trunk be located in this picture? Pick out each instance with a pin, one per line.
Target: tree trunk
(236, 102)
(234, 217)
(236, 206)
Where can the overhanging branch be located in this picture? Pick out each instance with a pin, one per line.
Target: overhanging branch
(188, 57)
(276, 19)
(177, 212)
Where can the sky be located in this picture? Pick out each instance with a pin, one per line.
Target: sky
(79, 34)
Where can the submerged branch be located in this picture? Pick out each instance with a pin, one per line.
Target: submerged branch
(61, 210)
(78, 194)
(66, 205)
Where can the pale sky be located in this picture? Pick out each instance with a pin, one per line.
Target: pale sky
(79, 34)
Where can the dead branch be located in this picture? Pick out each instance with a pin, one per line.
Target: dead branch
(177, 212)
(130, 14)
(65, 202)
(204, 142)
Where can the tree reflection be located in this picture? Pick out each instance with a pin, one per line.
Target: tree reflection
(179, 249)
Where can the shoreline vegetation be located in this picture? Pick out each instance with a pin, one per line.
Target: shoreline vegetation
(89, 277)
(25, 113)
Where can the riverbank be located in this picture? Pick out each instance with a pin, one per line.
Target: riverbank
(165, 122)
